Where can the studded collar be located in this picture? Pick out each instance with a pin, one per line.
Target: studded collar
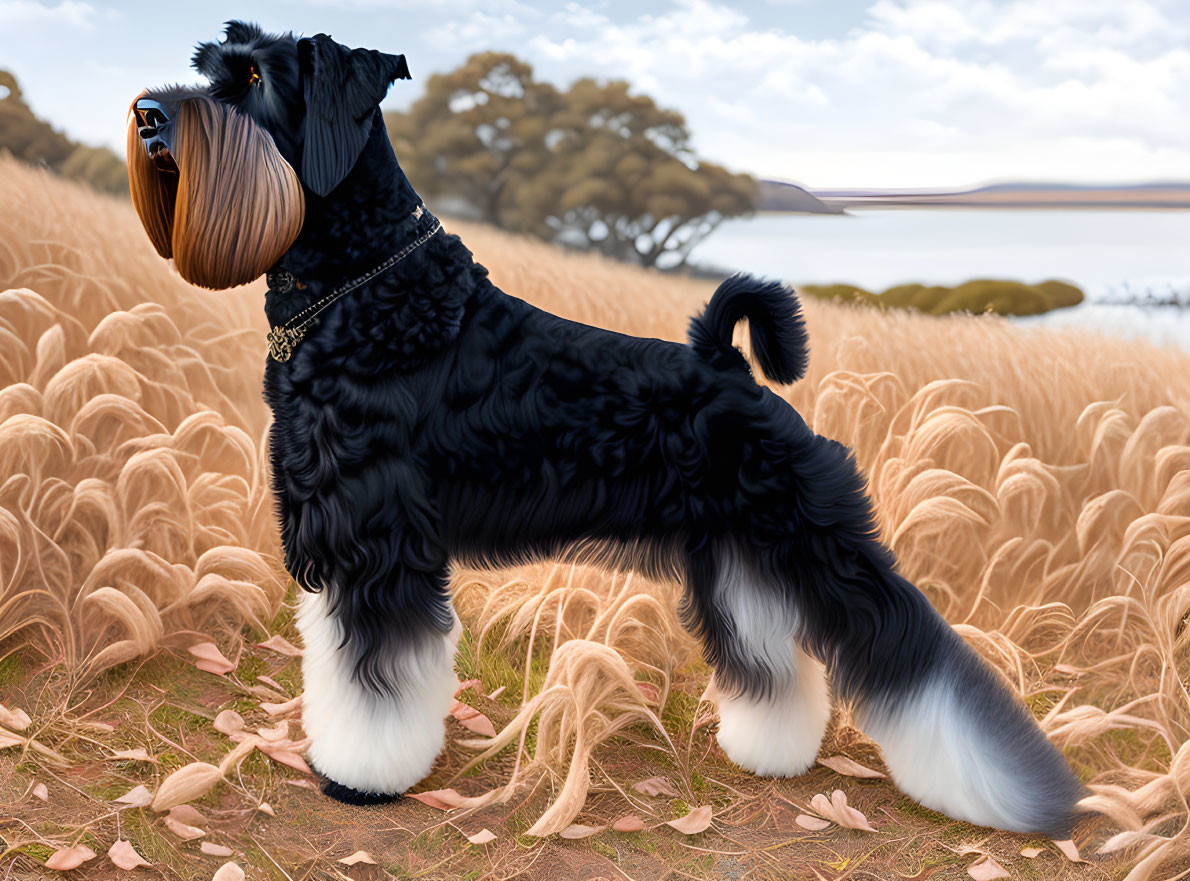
(284, 338)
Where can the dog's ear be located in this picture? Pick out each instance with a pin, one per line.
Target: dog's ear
(342, 88)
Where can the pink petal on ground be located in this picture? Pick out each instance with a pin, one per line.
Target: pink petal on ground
(228, 872)
(814, 824)
(137, 797)
(1071, 852)
(360, 856)
(850, 768)
(442, 799)
(629, 823)
(188, 814)
(124, 856)
(212, 849)
(473, 720)
(483, 836)
(39, 791)
(1030, 852)
(184, 831)
(655, 786)
(281, 646)
(578, 830)
(986, 869)
(694, 822)
(278, 753)
(67, 858)
(229, 722)
(211, 659)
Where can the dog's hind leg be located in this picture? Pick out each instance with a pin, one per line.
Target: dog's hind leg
(773, 699)
(375, 728)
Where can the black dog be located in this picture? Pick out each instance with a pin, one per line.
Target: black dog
(422, 415)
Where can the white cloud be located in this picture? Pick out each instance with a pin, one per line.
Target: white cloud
(965, 89)
(14, 13)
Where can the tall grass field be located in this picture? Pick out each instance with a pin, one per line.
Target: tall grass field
(1034, 484)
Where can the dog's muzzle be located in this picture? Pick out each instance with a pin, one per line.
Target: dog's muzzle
(155, 128)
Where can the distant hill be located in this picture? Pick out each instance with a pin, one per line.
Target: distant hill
(35, 141)
(1158, 194)
(774, 195)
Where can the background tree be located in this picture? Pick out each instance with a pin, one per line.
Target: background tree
(595, 166)
(34, 140)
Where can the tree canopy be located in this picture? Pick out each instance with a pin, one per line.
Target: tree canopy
(34, 140)
(595, 166)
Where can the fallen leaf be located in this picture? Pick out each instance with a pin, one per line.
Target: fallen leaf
(137, 797)
(124, 855)
(844, 765)
(67, 858)
(280, 753)
(1071, 852)
(578, 830)
(212, 849)
(655, 786)
(272, 683)
(483, 836)
(628, 823)
(499, 691)
(694, 822)
(302, 783)
(287, 708)
(229, 722)
(211, 659)
(138, 754)
(986, 869)
(281, 646)
(184, 831)
(838, 811)
(186, 784)
(16, 718)
(265, 808)
(442, 799)
(814, 824)
(228, 872)
(1030, 852)
(40, 791)
(473, 720)
(188, 814)
(265, 694)
(278, 732)
(360, 856)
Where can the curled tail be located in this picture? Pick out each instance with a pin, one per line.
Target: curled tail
(774, 316)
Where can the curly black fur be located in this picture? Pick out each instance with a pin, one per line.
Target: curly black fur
(431, 417)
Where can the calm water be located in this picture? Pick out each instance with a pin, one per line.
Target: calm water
(1103, 252)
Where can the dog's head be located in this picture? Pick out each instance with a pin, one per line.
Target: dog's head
(219, 174)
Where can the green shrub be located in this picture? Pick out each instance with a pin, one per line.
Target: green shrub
(976, 296)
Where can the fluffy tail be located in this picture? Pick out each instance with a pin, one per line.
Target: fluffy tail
(954, 735)
(774, 315)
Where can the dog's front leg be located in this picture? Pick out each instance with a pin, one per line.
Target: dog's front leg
(376, 697)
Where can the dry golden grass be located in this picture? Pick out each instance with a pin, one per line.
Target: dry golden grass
(1035, 485)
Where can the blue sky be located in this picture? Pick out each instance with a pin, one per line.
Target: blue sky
(897, 93)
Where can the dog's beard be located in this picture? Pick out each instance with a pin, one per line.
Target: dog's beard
(228, 208)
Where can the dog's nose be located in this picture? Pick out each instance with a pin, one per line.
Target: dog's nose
(152, 124)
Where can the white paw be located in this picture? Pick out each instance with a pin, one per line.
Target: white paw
(779, 735)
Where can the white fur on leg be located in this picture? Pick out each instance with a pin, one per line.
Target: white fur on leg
(359, 738)
(778, 735)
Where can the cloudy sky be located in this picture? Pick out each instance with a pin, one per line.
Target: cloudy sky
(891, 93)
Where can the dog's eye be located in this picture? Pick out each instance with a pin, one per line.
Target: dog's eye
(253, 76)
